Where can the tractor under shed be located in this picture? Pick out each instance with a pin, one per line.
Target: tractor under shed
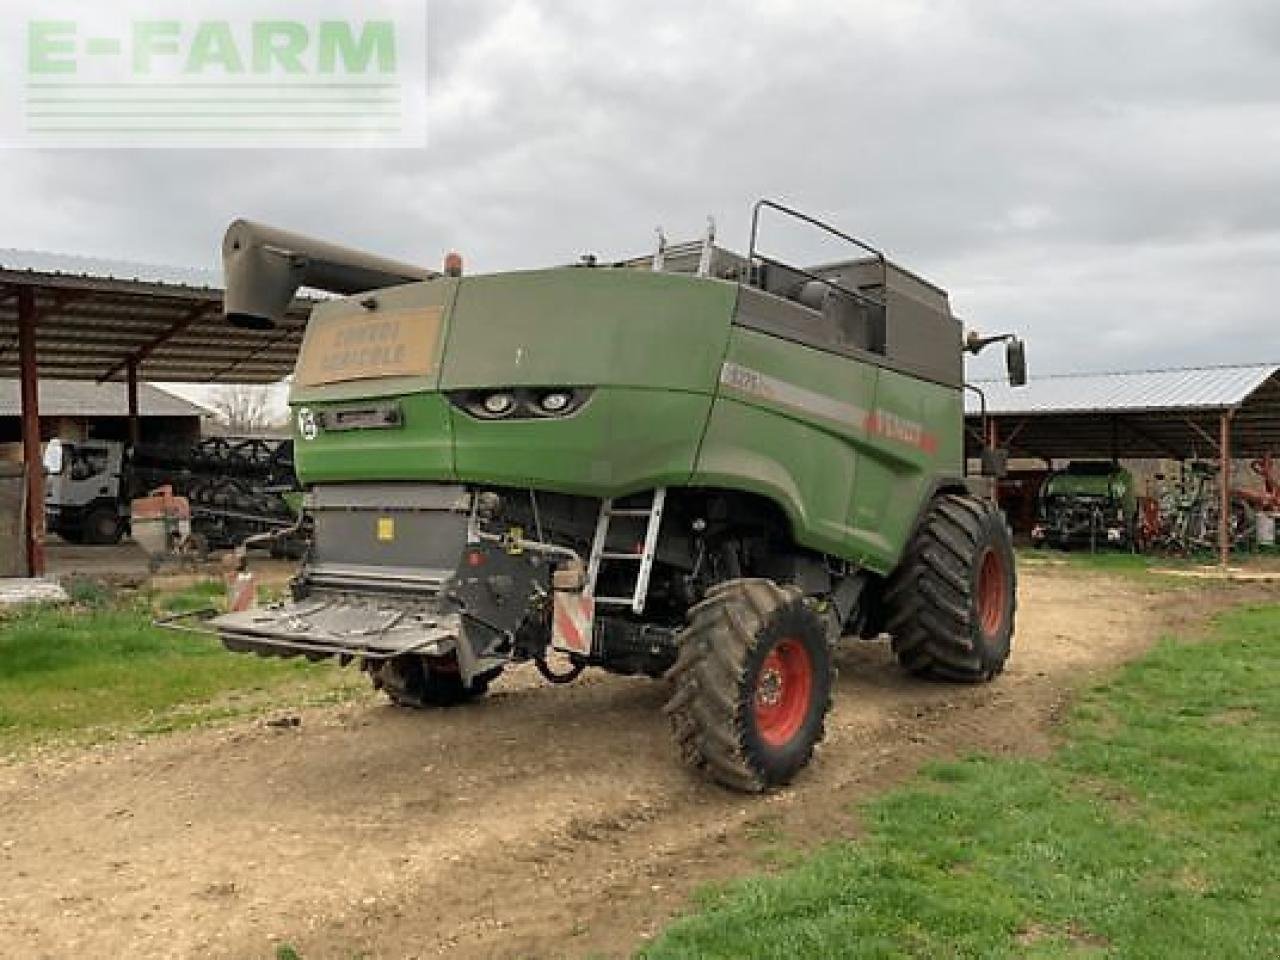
(72, 318)
(1222, 413)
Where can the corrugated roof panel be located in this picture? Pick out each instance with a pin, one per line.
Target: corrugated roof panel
(102, 268)
(95, 314)
(67, 398)
(39, 261)
(1193, 388)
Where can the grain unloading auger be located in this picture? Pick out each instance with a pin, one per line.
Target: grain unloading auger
(698, 465)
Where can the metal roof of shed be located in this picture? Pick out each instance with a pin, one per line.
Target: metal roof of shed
(1150, 413)
(44, 261)
(1192, 388)
(95, 315)
(65, 398)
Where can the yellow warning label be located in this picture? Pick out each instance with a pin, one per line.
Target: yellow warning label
(343, 345)
(386, 529)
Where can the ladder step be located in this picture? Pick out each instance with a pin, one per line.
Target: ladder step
(643, 556)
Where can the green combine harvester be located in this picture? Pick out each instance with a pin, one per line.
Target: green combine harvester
(696, 465)
(1090, 504)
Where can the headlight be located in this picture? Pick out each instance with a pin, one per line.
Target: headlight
(557, 402)
(499, 404)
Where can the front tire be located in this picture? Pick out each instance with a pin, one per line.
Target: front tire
(752, 685)
(952, 601)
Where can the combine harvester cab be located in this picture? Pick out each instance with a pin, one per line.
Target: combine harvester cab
(696, 465)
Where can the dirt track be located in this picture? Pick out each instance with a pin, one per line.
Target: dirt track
(542, 823)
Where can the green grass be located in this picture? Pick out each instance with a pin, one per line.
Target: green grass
(1153, 572)
(1152, 569)
(98, 667)
(1103, 562)
(1153, 832)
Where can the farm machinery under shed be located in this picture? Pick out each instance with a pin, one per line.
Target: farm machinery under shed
(236, 487)
(1225, 420)
(1098, 505)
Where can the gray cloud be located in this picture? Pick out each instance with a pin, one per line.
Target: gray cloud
(1102, 176)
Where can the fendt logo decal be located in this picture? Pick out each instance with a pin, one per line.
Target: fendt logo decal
(890, 426)
(883, 424)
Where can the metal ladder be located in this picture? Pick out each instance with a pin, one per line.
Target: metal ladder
(600, 553)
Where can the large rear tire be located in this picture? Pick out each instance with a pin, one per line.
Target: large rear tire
(951, 603)
(425, 682)
(752, 685)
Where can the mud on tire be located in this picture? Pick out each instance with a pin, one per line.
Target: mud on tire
(950, 606)
(752, 685)
(423, 682)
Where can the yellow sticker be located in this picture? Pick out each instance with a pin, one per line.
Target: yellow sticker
(345, 343)
(386, 529)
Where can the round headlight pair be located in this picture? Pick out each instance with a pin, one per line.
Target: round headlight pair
(502, 404)
(521, 403)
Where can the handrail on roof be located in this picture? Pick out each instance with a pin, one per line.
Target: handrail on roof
(754, 256)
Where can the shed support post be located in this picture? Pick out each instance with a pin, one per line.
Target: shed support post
(135, 433)
(1224, 489)
(32, 456)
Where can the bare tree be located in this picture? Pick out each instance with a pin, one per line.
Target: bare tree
(244, 408)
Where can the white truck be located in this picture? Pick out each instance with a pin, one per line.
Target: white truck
(84, 495)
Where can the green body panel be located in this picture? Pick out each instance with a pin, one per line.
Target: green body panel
(625, 440)
(849, 449)
(582, 327)
(649, 344)
(767, 436)
(421, 450)
(900, 474)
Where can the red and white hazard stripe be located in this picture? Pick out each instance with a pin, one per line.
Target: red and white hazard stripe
(573, 617)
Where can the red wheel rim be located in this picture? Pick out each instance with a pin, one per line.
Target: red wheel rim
(784, 688)
(993, 592)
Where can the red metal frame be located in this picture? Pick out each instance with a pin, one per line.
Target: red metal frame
(31, 452)
(1268, 498)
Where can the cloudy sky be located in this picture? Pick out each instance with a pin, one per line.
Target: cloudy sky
(1102, 176)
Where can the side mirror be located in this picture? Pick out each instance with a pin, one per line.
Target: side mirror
(53, 457)
(1015, 357)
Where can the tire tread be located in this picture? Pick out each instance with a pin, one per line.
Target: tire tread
(705, 705)
(929, 598)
